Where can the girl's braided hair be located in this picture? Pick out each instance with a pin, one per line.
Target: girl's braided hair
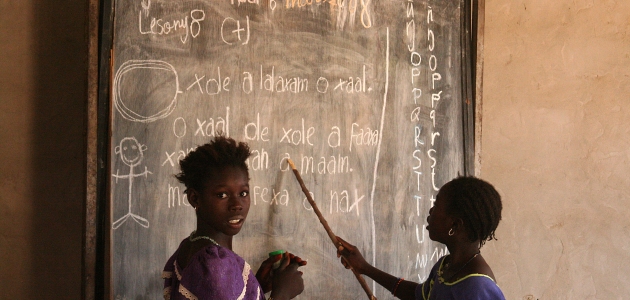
(199, 165)
(478, 204)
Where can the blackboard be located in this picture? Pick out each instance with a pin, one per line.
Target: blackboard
(364, 96)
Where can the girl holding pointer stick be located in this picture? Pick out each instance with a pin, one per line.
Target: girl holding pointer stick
(465, 215)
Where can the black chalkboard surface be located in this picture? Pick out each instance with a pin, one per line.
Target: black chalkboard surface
(364, 96)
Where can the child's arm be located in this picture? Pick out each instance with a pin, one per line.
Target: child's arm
(351, 257)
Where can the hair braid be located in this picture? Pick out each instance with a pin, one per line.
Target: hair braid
(206, 159)
(478, 204)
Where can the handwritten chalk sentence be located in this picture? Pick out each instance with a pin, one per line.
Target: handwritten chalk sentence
(212, 85)
(298, 134)
(337, 201)
(266, 79)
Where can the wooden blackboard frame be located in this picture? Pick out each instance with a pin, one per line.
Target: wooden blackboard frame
(468, 114)
(477, 27)
(96, 234)
(95, 274)
(89, 252)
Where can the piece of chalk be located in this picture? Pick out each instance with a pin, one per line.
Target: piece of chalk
(291, 164)
(274, 253)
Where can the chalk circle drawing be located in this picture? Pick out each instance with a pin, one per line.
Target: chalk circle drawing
(120, 103)
(131, 153)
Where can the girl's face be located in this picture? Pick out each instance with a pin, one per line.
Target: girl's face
(224, 203)
(439, 221)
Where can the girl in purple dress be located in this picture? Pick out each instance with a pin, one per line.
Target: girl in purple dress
(464, 216)
(204, 267)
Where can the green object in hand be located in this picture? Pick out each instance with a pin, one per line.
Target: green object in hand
(274, 253)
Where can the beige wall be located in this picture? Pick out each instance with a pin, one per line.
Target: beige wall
(43, 50)
(556, 142)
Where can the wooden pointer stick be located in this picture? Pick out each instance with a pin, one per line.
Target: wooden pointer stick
(331, 235)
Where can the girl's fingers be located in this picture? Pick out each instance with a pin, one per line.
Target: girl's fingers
(296, 259)
(344, 247)
(284, 262)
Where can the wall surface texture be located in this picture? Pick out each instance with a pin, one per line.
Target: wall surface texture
(556, 143)
(43, 51)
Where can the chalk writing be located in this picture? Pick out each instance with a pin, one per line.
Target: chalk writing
(298, 136)
(263, 195)
(239, 2)
(306, 204)
(205, 128)
(269, 80)
(173, 158)
(259, 160)
(179, 26)
(435, 97)
(304, 3)
(422, 260)
(325, 164)
(363, 136)
(233, 28)
(176, 198)
(334, 138)
(353, 84)
(272, 83)
(344, 9)
(131, 154)
(211, 86)
(210, 127)
(254, 131)
(340, 202)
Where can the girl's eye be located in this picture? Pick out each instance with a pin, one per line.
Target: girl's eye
(222, 195)
(244, 193)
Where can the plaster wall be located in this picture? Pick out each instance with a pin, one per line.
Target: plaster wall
(556, 143)
(43, 84)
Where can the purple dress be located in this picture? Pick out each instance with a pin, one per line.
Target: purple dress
(214, 272)
(471, 287)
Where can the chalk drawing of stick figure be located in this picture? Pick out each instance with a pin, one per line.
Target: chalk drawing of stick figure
(131, 153)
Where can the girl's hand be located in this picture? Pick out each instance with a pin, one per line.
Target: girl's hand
(264, 274)
(351, 257)
(296, 259)
(287, 281)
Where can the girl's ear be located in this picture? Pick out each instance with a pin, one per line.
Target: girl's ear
(458, 224)
(193, 197)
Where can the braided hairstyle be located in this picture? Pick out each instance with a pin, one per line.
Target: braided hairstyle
(478, 204)
(199, 165)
